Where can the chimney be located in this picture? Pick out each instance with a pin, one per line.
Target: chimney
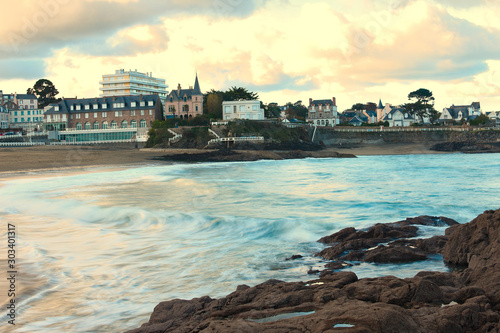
(310, 101)
(179, 89)
(334, 101)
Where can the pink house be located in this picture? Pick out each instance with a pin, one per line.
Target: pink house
(184, 103)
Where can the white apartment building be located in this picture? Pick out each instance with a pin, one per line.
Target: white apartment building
(124, 83)
(242, 110)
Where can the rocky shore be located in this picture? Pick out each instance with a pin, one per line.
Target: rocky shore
(465, 300)
(229, 155)
(472, 142)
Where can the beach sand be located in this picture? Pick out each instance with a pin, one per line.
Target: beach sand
(18, 159)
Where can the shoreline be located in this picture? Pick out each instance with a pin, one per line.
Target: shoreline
(55, 158)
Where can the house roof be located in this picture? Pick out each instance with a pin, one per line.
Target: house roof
(179, 94)
(65, 105)
(26, 96)
(406, 114)
(322, 102)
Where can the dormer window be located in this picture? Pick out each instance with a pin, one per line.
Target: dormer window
(72, 107)
(150, 103)
(133, 104)
(96, 106)
(143, 103)
(171, 99)
(78, 107)
(56, 108)
(87, 107)
(104, 106)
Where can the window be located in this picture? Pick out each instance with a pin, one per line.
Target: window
(142, 123)
(118, 105)
(78, 116)
(78, 126)
(104, 125)
(142, 112)
(78, 107)
(104, 114)
(95, 114)
(96, 106)
(242, 108)
(234, 109)
(124, 124)
(31, 101)
(104, 106)
(133, 124)
(87, 125)
(87, 107)
(96, 125)
(29, 113)
(56, 108)
(143, 103)
(86, 115)
(72, 107)
(132, 113)
(22, 113)
(118, 113)
(133, 104)
(114, 125)
(15, 113)
(150, 103)
(150, 112)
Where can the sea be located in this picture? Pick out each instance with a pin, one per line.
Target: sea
(96, 249)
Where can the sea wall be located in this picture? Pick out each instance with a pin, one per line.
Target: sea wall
(332, 137)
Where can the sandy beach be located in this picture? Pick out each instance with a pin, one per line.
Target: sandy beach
(20, 159)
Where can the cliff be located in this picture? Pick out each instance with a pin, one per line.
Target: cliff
(464, 300)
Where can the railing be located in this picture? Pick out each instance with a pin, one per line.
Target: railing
(219, 123)
(59, 143)
(397, 129)
(21, 144)
(238, 139)
(213, 133)
(176, 137)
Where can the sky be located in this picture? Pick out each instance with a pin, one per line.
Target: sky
(285, 50)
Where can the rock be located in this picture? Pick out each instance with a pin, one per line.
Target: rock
(394, 254)
(295, 256)
(461, 301)
(476, 246)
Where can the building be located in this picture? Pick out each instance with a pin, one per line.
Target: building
(124, 83)
(26, 101)
(184, 103)
(323, 112)
(247, 109)
(460, 112)
(4, 117)
(23, 111)
(103, 119)
(399, 117)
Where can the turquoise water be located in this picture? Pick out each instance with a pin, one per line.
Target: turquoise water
(97, 250)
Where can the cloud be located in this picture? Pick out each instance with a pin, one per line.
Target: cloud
(46, 25)
(22, 68)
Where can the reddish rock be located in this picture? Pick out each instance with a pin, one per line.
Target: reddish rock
(462, 301)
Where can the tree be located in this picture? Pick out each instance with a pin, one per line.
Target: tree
(214, 105)
(45, 91)
(236, 94)
(422, 105)
(358, 106)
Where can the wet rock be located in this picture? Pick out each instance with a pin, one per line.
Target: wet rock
(295, 256)
(460, 301)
